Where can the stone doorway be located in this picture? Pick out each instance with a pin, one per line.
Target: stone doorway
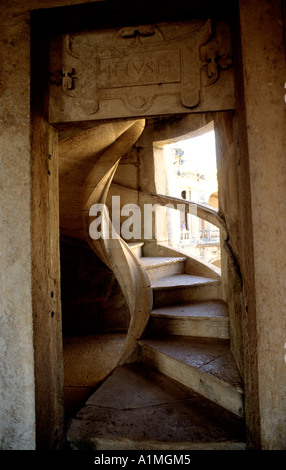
(215, 70)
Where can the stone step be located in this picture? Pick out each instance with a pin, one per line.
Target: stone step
(183, 288)
(138, 408)
(158, 267)
(136, 248)
(207, 319)
(206, 366)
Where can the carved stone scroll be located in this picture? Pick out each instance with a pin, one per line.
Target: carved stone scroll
(133, 71)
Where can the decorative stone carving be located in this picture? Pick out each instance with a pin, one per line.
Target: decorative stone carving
(153, 69)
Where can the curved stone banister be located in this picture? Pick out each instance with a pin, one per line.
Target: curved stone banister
(203, 212)
(112, 250)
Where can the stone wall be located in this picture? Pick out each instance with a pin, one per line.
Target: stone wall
(263, 60)
(262, 181)
(17, 405)
(17, 415)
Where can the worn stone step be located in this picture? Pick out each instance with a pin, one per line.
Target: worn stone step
(203, 319)
(158, 267)
(139, 408)
(182, 288)
(136, 247)
(204, 365)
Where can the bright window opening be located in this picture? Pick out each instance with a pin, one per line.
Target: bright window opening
(191, 174)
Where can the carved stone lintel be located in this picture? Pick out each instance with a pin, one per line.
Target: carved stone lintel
(138, 35)
(213, 65)
(68, 80)
(138, 102)
(140, 69)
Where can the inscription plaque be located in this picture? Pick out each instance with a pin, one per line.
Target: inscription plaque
(155, 69)
(142, 69)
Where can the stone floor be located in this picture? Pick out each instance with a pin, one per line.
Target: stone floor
(134, 406)
(139, 408)
(87, 361)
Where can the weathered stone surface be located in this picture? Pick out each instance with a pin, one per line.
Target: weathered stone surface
(92, 301)
(263, 51)
(184, 288)
(78, 153)
(227, 163)
(17, 412)
(17, 404)
(205, 366)
(134, 70)
(203, 319)
(261, 171)
(158, 267)
(151, 412)
(87, 362)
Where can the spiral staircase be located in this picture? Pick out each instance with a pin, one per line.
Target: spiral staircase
(176, 384)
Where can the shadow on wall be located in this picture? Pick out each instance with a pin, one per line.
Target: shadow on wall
(92, 301)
